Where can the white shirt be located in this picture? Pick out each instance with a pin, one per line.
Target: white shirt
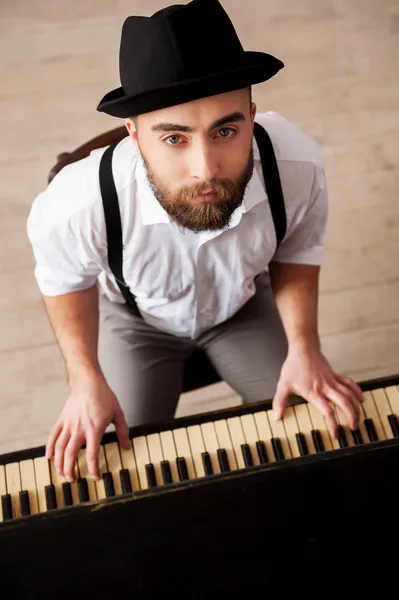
(184, 282)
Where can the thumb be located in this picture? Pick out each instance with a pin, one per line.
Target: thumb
(280, 401)
(121, 428)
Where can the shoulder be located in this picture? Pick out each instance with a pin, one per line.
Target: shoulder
(75, 190)
(290, 142)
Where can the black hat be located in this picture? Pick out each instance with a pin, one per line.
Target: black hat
(182, 53)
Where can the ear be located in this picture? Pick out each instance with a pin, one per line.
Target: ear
(253, 111)
(131, 127)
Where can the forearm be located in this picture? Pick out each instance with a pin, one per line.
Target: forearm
(74, 320)
(296, 289)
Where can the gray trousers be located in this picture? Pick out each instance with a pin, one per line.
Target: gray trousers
(144, 366)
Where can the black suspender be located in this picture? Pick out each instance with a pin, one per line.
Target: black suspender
(113, 217)
(272, 181)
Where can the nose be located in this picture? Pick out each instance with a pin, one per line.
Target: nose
(204, 165)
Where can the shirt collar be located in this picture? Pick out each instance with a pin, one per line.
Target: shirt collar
(152, 212)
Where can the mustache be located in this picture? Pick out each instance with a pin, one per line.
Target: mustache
(223, 188)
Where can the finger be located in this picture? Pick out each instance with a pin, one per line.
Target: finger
(342, 397)
(93, 438)
(60, 446)
(324, 407)
(280, 401)
(122, 429)
(357, 391)
(55, 432)
(71, 452)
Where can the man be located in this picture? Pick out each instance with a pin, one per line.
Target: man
(201, 256)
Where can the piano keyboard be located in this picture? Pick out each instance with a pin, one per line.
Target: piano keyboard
(187, 453)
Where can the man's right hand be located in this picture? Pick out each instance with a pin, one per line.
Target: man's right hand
(90, 408)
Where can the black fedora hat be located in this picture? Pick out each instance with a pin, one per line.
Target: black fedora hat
(179, 54)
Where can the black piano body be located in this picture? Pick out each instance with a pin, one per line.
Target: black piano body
(321, 522)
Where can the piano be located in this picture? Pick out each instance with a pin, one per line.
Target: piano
(226, 503)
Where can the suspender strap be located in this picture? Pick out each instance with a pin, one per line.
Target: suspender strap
(272, 181)
(113, 225)
(113, 216)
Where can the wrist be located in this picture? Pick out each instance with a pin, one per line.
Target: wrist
(85, 376)
(304, 343)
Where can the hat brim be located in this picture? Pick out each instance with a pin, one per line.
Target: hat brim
(255, 67)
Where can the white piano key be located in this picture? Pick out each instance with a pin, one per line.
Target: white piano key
(156, 455)
(129, 462)
(197, 448)
(237, 439)
(381, 401)
(319, 424)
(264, 432)
(84, 474)
(183, 449)
(211, 444)
(305, 425)
(142, 459)
(392, 392)
(42, 476)
(169, 453)
(278, 431)
(28, 484)
(371, 412)
(251, 435)
(225, 442)
(13, 479)
(114, 464)
(291, 429)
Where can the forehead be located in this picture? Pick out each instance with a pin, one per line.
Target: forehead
(201, 112)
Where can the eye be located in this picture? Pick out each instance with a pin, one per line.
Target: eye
(225, 131)
(174, 140)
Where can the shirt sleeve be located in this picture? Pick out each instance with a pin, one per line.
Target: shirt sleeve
(305, 237)
(62, 232)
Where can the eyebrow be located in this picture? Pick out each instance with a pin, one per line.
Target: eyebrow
(231, 118)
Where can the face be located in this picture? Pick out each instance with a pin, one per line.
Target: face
(198, 157)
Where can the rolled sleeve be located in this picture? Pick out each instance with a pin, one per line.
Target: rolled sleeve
(305, 239)
(62, 242)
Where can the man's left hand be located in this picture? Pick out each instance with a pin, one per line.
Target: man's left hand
(307, 373)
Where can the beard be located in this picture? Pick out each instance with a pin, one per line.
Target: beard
(185, 210)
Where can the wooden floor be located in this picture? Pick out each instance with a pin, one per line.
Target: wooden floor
(340, 85)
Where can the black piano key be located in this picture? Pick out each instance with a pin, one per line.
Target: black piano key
(182, 468)
(317, 440)
(343, 442)
(371, 431)
(206, 461)
(302, 445)
(223, 460)
(277, 449)
(67, 493)
(151, 477)
(125, 481)
(83, 490)
(262, 452)
(6, 507)
(24, 503)
(247, 456)
(166, 472)
(357, 437)
(394, 423)
(109, 485)
(51, 500)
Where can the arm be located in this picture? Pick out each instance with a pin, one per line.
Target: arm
(296, 289)
(294, 274)
(74, 321)
(67, 266)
